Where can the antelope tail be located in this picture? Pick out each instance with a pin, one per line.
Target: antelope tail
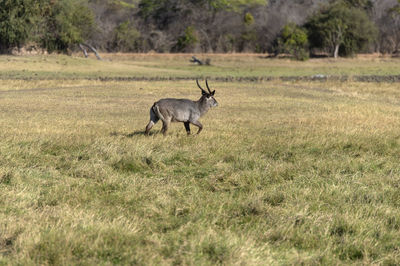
(156, 110)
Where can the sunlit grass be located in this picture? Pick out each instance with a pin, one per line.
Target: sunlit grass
(283, 173)
(178, 66)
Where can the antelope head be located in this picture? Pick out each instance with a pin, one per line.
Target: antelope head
(208, 96)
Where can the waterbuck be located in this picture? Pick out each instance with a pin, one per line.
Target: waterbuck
(181, 110)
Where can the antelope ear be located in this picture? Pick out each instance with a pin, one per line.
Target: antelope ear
(213, 92)
(204, 93)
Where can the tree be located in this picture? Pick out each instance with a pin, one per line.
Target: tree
(214, 21)
(247, 40)
(126, 38)
(66, 23)
(389, 29)
(278, 13)
(187, 40)
(109, 15)
(340, 27)
(396, 8)
(293, 40)
(17, 19)
(55, 25)
(160, 12)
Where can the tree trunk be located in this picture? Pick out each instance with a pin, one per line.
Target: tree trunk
(83, 50)
(91, 48)
(336, 51)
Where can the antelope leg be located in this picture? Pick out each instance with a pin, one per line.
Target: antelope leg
(199, 125)
(187, 127)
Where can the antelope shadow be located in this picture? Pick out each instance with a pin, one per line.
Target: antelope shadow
(131, 135)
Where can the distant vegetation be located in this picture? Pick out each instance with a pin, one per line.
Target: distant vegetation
(296, 28)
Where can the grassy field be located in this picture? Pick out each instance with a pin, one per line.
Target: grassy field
(283, 172)
(116, 66)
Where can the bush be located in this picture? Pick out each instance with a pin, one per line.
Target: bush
(126, 38)
(17, 19)
(340, 28)
(187, 40)
(293, 41)
(248, 19)
(65, 24)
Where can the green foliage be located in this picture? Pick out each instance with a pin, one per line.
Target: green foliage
(55, 25)
(187, 40)
(293, 40)
(66, 23)
(396, 8)
(116, 3)
(159, 10)
(248, 36)
(361, 32)
(126, 38)
(339, 25)
(226, 43)
(234, 5)
(246, 40)
(58, 25)
(248, 19)
(17, 18)
(147, 7)
(125, 4)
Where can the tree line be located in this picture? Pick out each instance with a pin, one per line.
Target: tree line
(298, 28)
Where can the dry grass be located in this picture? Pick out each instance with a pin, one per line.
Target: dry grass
(178, 66)
(283, 173)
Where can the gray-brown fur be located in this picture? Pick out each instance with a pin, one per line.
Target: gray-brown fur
(181, 110)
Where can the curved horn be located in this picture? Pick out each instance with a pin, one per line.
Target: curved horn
(199, 86)
(208, 88)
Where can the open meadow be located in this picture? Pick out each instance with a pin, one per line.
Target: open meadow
(284, 172)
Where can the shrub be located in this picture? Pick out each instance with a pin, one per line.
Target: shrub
(342, 28)
(187, 40)
(65, 24)
(248, 19)
(17, 19)
(126, 38)
(293, 40)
